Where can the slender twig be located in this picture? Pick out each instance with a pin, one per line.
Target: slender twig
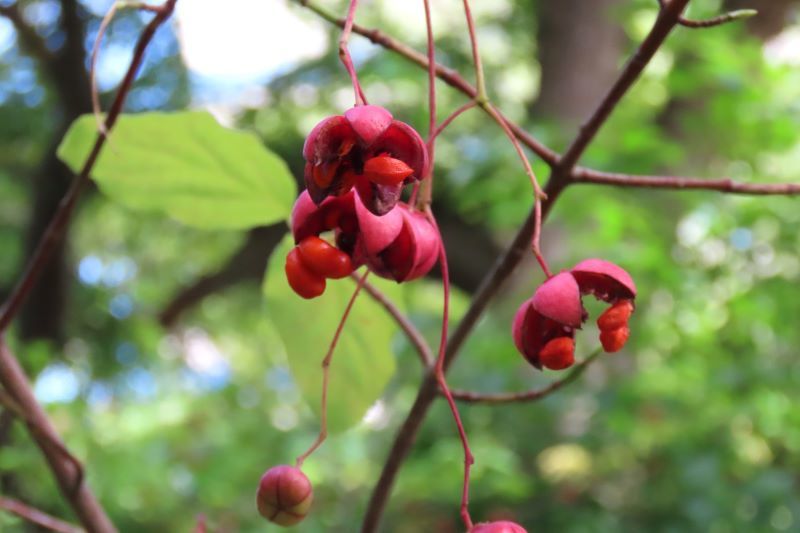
(559, 180)
(725, 185)
(344, 53)
(35, 516)
(88, 510)
(526, 396)
(326, 365)
(412, 333)
(101, 31)
(725, 18)
(58, 224)
(426, 187)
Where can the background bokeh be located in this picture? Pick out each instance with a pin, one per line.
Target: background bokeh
(148, 341)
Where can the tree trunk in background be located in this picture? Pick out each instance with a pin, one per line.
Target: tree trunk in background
(42, 317)
(580, 43)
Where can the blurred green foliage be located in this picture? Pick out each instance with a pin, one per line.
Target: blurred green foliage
(694, 427)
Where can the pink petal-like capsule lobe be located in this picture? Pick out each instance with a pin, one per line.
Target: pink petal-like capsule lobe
(559, 299)
(604, 279)
(497, 527)
(532, 331)
(368, 121)
(309, 219)
(412, 253)
(284, 495)
(377, 233)
(331, 139)
(402, 142)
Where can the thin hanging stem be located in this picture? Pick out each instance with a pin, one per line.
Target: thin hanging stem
(425, 189)
(344, 53)
(454, 115)
(469, 459)
(326, 364)
(480, 80)
(482, 99)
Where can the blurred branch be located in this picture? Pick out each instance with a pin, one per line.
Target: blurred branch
(414, 336)
(246, 264)
(527, 396)
(35, 516)
(29, 40)
(55, 230)
(725, 185)
(69, 475)
(559, 180)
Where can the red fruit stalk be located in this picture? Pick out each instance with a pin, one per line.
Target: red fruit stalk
(326, 363)
(284, 495)
(469, 459)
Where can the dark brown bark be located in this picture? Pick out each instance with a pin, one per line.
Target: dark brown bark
(42, 317)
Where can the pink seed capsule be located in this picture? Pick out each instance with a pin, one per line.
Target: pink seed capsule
(284, 495)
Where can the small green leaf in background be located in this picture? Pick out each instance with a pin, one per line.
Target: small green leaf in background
(363, 362)
(188, 166)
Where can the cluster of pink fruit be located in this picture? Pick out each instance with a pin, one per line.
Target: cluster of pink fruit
(356, 167)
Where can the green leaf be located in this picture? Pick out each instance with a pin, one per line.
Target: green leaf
(362, 362)
(188, 166)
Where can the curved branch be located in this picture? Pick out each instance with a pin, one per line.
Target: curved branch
(35, 516)
(527, 396)
(70, 480)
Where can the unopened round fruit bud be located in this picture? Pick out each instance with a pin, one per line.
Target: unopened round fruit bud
(498, 527)
(284, 495)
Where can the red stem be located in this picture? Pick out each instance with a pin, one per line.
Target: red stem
(326, 363)
(469, 460)
(454, 115)
(344, 53)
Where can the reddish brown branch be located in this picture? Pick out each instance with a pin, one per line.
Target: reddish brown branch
(58, 224)
(714, 21)
(726, 185)
(35, 516)
(526, 396)
(69, 478)
(559, 180)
